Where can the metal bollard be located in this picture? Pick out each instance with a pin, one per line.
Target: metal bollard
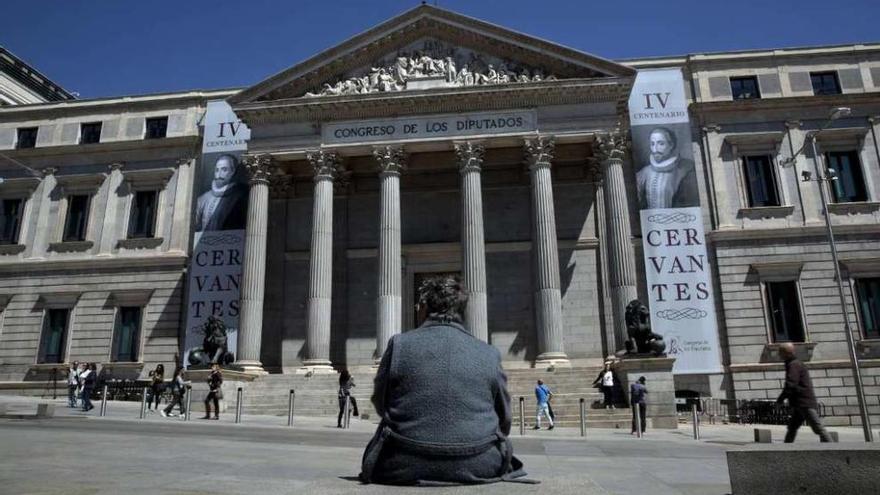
(238, 406)
(349, 413)
(104, 402)
(189, 402)
(696, 420)
(522, 416)
(290, 407)
(583, 417)
(637, 410)
(144, 403)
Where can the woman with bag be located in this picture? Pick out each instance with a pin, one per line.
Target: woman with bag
(215, 393)
(88, 379)
(607, 381)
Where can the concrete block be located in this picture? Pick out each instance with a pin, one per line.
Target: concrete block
(45, 410)
(834, 436)
(783, 469)
(763, 436)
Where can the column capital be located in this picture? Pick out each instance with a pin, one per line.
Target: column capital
(326, 164)
(469, 155)
(258, 168)
(49, 171)
(391, 159)
(874, 119)
(116, 166)
(539, 151)
(611, 146)
(793, 124)
(711, 128)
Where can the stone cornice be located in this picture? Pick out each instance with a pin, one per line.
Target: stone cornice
(737, 235)
(132, 145)
(94, 265)
(443, 100)
(793, 103)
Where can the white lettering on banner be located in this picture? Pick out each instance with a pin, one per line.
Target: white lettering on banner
(442, 126)
(680, 292)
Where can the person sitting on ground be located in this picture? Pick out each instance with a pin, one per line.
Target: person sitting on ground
(442, 399)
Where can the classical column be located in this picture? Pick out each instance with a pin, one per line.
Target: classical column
(548, 296)
(611, 150)
(253, 275)
(388, 295)
(326, 166)
(473, 244)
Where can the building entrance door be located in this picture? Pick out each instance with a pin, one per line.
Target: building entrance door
(420, 314)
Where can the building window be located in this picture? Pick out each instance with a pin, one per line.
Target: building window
(760, 181)
(10, 220)
(849, 186)
(785, 313)
(54, 339)
(825, 83)
(126, 336)
(868, 300)
(77, 218)
(27, 138)
(744, 88)
(143, 214)
(90, 133)
(156, 127)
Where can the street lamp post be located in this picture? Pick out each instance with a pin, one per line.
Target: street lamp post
(829, 177)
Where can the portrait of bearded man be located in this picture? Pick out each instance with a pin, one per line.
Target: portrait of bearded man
(224, 206)
(668, 180)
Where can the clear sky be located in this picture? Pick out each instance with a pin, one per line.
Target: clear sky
(118, 47)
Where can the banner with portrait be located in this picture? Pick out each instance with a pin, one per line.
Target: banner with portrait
(219, 216)
(680, 291)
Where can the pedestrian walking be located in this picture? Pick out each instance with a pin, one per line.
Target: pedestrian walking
(606, 382)
(89, 378)
(543, 395)
(72, 383)
(346, 382)
(178, 392)
(798, 390)
(215, 393)
(637, 395)
(157, 386)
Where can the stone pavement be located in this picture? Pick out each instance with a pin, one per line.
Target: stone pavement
(82, 453)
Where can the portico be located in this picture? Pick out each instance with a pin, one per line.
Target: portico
(421, 147)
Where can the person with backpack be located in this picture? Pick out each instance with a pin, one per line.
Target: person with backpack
(215, 392)
(178, 392)
(543, 395)
(88, 379)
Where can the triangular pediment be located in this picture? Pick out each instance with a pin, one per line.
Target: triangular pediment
(428, 47)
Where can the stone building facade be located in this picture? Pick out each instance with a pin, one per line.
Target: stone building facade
(436, 143)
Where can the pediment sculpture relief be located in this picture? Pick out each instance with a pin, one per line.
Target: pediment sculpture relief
(453, 69)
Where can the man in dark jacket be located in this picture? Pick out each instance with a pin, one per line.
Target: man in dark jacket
(442, 398)
(799, 392)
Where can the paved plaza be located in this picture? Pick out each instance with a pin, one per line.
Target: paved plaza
(78, 453)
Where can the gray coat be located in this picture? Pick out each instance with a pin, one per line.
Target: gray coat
(445, 412)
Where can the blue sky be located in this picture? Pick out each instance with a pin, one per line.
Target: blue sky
(105, 47)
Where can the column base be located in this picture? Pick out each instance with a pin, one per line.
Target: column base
(549, 360)
(250, 367)
(315, 367)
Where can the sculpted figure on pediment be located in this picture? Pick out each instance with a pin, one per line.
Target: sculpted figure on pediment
(436, 62)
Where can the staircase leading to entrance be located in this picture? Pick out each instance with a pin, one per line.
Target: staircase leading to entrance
(316, 395)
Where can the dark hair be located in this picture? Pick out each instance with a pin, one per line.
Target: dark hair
(669, 135)
(642, 379)
(160, 368)
(444, 298)
(177, 371)
(344, 377)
